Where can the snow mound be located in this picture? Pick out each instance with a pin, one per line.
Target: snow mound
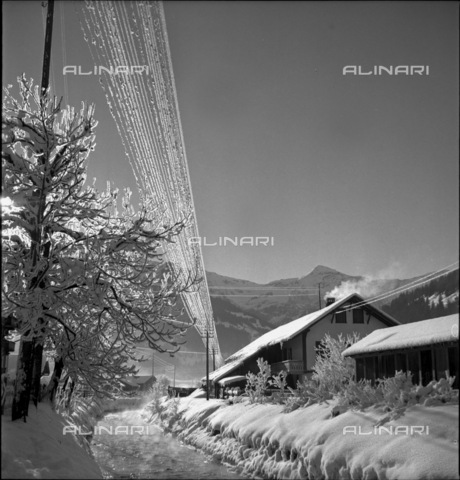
(40, 449)
(263, 441)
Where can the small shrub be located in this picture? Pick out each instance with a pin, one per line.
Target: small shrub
(156, 393)
(291, 404)
(332, 371)
(279, 381)
(396, 394)
(359, 395)
(258, 383)
(396, 391)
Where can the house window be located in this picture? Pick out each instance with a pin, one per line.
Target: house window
(358, 315)
(341, 317)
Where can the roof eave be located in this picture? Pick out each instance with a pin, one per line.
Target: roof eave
(394, 349)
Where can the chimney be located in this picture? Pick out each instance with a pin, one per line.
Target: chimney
(329, 301)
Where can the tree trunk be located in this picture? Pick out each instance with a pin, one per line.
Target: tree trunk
(21, 399)
(72, 386)
(54, 381)
(37, 373)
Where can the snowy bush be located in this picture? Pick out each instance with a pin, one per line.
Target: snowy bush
(157, 393)
(258, 383)
(279, 381)
(359, 395)
(161, 385)
(332, 371)
(302, 396)
(396, 393)
(170, 415)
(444, 391)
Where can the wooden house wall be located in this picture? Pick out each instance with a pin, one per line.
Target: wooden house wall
(426, 363)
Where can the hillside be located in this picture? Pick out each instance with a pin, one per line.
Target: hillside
(436, 298)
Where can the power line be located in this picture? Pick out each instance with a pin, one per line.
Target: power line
(194, 353)
(414, 284)
(146, 113)
(263, 295)
(264, 288)
(158, 359)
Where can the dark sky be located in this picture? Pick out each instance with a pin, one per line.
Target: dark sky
(359, 173)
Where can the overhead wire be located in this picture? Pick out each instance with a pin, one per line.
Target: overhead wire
(146, 113)
(409, 286)
(263, 295)
(155, 358)
(263, 288)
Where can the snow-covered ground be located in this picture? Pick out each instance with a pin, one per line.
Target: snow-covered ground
(260, 440)
(39, 449)
(309, 442)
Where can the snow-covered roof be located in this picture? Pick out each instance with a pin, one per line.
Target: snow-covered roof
(141, 379)
(136, 380)
(230, 380)
(129, 381)
(285, 333)
(425, 332)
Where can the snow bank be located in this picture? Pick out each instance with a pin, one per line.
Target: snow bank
(39, 449)
(87, 412)
(264, 441)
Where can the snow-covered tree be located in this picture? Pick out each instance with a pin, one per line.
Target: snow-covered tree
(81, 274)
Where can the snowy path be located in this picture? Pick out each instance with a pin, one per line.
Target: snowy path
(125, 447)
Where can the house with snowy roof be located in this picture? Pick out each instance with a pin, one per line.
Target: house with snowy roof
(428, 349)
(292, 347)
(137, 382)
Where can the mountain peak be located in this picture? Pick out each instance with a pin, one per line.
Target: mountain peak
(321, 270)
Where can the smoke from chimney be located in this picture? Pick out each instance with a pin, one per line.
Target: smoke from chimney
(369, 285)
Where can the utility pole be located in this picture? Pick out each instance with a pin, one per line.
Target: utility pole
(31, 352)
(319, 295)
(213, 359)
(47, 52)
(207, 364)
